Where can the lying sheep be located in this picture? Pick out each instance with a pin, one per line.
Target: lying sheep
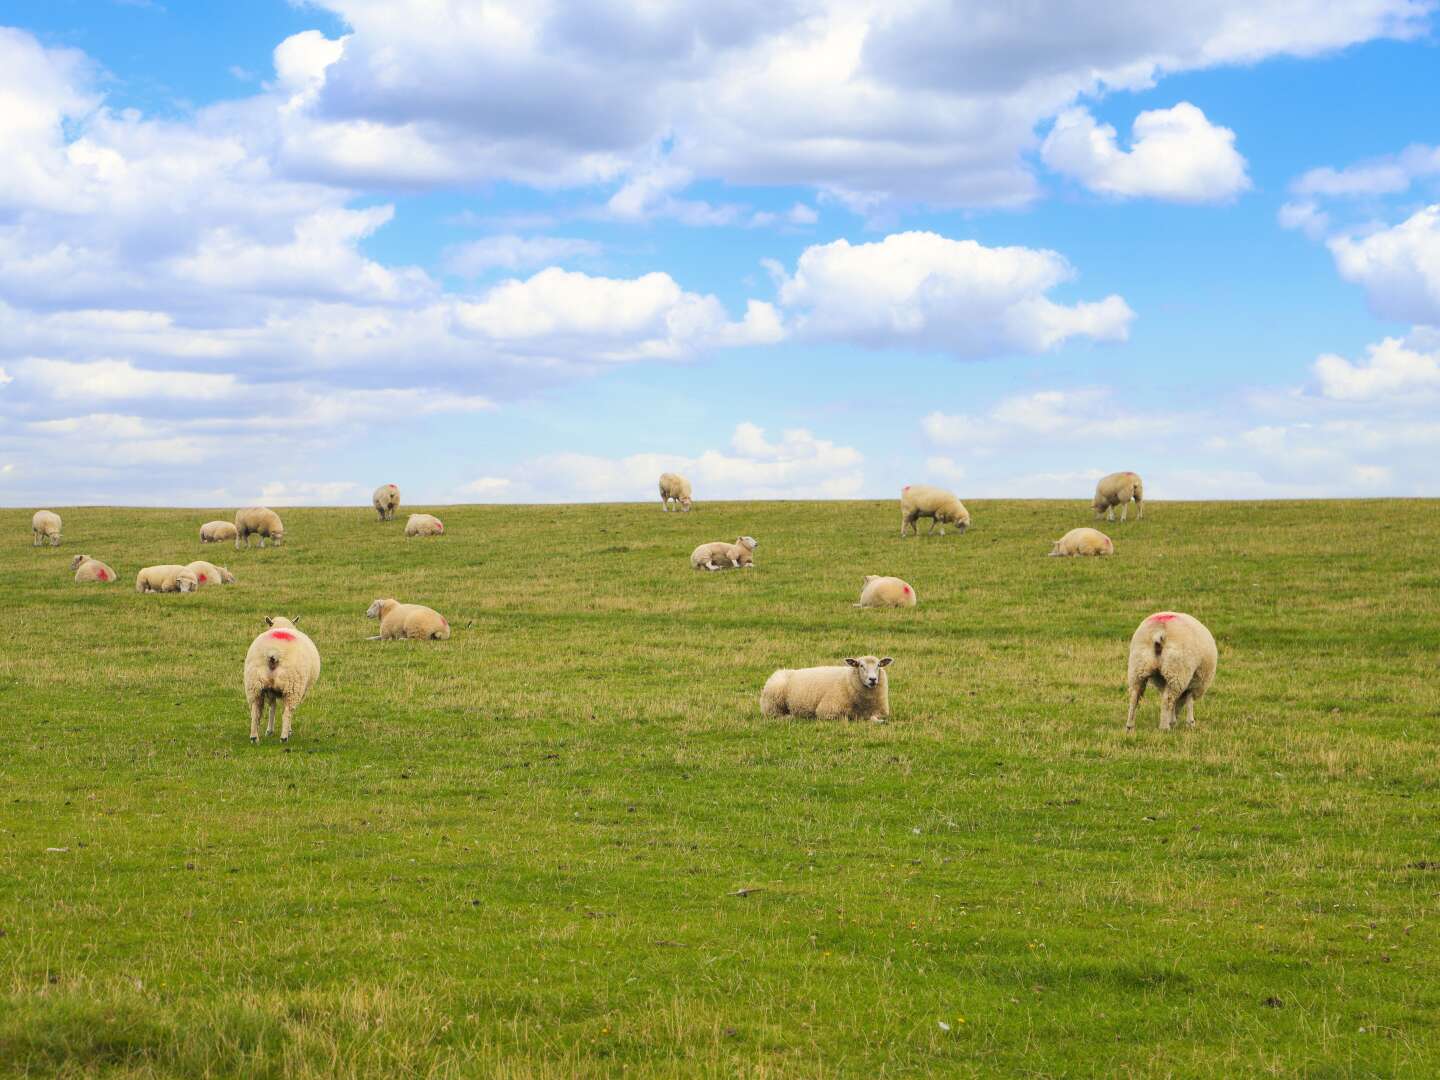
(1176, 653)
(1084, 542)
(1118, 489)
(886, 592)
(939, 505)
(281, 665)
(88, 569)
(45, 525)
(424, 525)
(386, 501)
(414, 621)
(720, 555)
(215, 532)
(258, 521)
(210, 574)
(166, 578)
(829, 693)
(676, 487)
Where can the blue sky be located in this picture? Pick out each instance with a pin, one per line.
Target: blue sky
(541, 251)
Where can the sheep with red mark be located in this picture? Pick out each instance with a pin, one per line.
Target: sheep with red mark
(281, 666)
(216, 532)
(258, 521)
(210, 574)
(880, 591)
(674, 488)
(45, 528)
(90, 569)
(386, 501)
(719, 555)
(1119, 489)
(414, 621)
(1176, 654)
(424, 525)
(857, 691)
(1083, 542)
(940, 506)
(166, 578)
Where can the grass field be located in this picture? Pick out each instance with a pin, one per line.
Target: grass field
(565, 843)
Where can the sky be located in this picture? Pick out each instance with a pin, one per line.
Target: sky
(538, 251)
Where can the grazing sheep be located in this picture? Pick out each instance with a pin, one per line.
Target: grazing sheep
(257, 520)
(829, 693)
(1084, 542)
(720, 555)
(676, 487)
(886, 592)
(281, 665)
(414, 621)
(45, 525)
(166, 578)
(210, 574)
(215, 532)
(1118, 489)
(386, 501)
(1176, 653)
(88, 569)
(424, 525)
(939, 505)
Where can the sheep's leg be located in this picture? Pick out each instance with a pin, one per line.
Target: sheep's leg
(270, 721)
(285, 720)
(1139, 508)
(905, 519)
(255, 718)
(1169, 699)
(1110, 513)
(1189, 710)
(1124, 511)
(1137, 691)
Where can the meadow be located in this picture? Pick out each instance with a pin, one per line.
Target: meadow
(564, 843)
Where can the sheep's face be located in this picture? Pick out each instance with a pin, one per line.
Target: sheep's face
(867, 668)
(186, 582)
(748, 542)
(685, 503)
(75, 562)
(278, 534)
(226, 577)
(375, 610)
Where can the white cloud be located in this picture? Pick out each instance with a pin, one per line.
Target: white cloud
(102, 380)
(316, 493)
(1391, 370)
(1388, 175)
(1054, 414)
(1305, 216)
(1175, 154)
(925, 290)
(1398, 267)
(487, 488)
(945, 468)
(511, 252)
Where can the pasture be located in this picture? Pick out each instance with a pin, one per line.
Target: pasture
(565, 843)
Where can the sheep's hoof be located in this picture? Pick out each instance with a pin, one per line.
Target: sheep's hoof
(284, 738)
(254, 740)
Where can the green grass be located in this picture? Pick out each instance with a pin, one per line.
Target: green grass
(521, 852)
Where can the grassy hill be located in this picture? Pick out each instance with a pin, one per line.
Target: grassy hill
(565, 843)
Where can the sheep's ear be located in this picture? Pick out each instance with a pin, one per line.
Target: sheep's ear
(852, 661)
(295, 621)
(886, 661)
(269, 621)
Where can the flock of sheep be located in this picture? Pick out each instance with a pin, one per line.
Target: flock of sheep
(1169, 650)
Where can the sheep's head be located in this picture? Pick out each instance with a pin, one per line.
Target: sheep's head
(186, 581)
(748, 542)
(278, 534)
(280, 621)
(75, 562)
(226, 577)
(377, 608)
(867, 668)
(685, 503)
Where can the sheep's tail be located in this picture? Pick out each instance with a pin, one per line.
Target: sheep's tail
(1158, 641)
(272, 658)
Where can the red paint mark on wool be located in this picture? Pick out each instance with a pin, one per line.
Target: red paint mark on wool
(282, 635)
(1162, 617)
(102, 575)
(202, 579)
(907, 589)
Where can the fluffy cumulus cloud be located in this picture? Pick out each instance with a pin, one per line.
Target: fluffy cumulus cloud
(1398, 267)
(1388, 175)
(1392, 369)
(1174, 154)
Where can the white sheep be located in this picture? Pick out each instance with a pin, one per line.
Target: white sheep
(45, 525)
(414, 621)
(282, 664)
(258, 521)
(424, 525)
(719, 555)
(1119, 489)
(675, 487)
(857, 691)
(210, 574)
(939, 505)
(88, 569)
(168, 577)
(1083, 542)
(216, 532)
(886, 592)
(1176, 653)
(386, 501)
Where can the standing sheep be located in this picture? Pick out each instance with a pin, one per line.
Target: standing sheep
(414, 621)
(676, 487)
(886, 592)
(720, 555)
(281, 665)
(830, 693)
(424, 525)
(45, 525)
(1083, 542)
(260, 521)
(166, 578)
(215, 532)
(210, 574)
(88, 569)
(939, 505)
(1119, 489)
(1176, 653)
(386, 501)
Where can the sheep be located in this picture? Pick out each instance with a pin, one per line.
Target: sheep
(939, 505)
(720, 555)
(210, 574)
(1176, 653)
(414, 621)
(259, 521)
(166, 578)
(829, 693)
(215, 532)
(281, 665)
(386, 501)
(676, 487)
(88, 569)
(886, 592)
(1118, 489)
(1084, 542)
(45, 525)
(424, 525)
